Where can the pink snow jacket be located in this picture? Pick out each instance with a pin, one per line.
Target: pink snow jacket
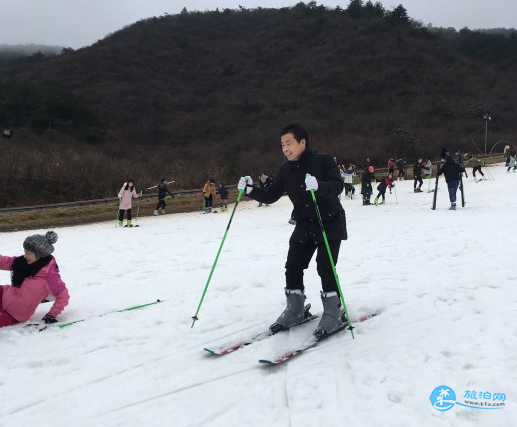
(21, 303)
(125, 196)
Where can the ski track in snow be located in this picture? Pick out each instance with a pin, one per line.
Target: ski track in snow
(444, 282)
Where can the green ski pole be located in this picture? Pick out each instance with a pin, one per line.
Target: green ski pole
(135, 307)
(331, 261)
(138, 208)
(118, 210)
(216, 258)
(66, 324)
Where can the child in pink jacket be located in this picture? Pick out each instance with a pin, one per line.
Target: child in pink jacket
(34, 276)
(125, 194)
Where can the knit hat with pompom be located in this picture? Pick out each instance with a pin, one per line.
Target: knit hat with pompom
(40, 245)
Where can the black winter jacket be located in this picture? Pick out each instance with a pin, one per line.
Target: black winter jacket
(162, 190)
(451, 170)
(291, 180)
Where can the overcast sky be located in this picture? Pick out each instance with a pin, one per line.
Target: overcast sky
(78, 23)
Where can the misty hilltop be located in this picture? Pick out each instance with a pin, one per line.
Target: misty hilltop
(203, 94)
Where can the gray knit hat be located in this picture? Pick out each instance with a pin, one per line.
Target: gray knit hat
(41, 245)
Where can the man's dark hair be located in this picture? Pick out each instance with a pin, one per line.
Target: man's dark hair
(163, 180)
(297, 131)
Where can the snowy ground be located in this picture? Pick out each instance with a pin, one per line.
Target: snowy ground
(445, 283)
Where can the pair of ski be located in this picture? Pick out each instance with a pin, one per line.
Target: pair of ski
(312, 342)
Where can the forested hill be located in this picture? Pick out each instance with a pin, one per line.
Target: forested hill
(200, 95)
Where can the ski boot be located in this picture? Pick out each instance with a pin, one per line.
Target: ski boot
(383, 201)
(331, 318)
(293, 313)
(161, 211)
(453, 206)
(129, 224)
(376, 201)
(120, 224)
(155, 212)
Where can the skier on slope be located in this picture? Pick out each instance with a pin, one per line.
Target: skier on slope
(476, 167)
(264, 182)
(307, 237)
(452, 172)
(223, 193)
(386, 183)
(401, 165)
(348, 178)
(162, 192)
(366, 185)
(417, 175)
(209, 192)
(125, 194)
(34, 276)
(391, 165)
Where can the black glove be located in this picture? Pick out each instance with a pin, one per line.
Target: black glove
(49, 318)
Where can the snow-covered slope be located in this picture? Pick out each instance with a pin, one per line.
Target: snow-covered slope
(445, 282)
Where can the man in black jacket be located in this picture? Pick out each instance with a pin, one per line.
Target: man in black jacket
(452, 172)
(417, 175)
(303, 171)
(162, 192)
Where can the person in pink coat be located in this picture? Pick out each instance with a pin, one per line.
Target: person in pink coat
(34, 276)
(126, 193)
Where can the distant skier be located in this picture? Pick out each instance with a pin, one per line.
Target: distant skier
(417, 175)
(391, 166)
(126, 193)
(223, 192)
(264, 182)
(307, 237)
(507, 150)
(460, 156)
(209, 193)
(162, 193)
(366, 185)
(401, 166)
(348, 178)
(34, 276)
(476, 167)
(428, 168)
(512, 163)
(387, 182)
(452, 172)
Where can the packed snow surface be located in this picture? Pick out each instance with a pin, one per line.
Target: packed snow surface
(444, 281)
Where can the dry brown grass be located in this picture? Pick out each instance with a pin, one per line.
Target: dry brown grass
(60, 217)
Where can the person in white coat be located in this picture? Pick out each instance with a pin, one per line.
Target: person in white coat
(126, 194)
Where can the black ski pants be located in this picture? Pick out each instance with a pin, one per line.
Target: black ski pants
(161, 203)
(121, 214)
(477, 169)
(299, 257)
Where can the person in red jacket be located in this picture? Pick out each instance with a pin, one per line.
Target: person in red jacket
(34, 276)
(387, 182)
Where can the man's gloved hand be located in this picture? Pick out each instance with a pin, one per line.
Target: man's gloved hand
(311, 183)
(49, 318)
(245, 184)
